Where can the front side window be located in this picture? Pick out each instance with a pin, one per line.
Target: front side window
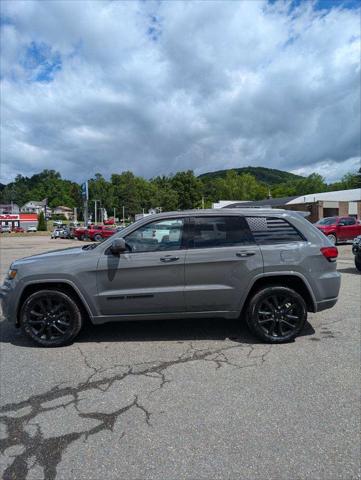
(327, 221)
(209, 232)
(157, 236)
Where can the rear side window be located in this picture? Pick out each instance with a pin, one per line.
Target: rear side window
(208, 232)
(347, 221)
(269, 230)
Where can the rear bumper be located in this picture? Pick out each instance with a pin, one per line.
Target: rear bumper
(325, 304)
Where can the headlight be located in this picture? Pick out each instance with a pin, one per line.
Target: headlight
(12, 273)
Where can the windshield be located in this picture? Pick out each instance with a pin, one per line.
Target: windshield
(327, 221)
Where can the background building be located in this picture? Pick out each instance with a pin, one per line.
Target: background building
(66, 211)
(24, 220)
(9, 208)
(33, 206)
(319, 205)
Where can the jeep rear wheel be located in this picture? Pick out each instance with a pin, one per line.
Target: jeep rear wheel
(51, 318)
(276, 314)
(98, 237)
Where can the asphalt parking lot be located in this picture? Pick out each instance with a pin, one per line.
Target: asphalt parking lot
(183, 399)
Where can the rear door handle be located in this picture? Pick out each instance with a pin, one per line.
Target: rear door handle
(168, 259)
(245, 254)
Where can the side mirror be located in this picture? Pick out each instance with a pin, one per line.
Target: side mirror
(118, 246)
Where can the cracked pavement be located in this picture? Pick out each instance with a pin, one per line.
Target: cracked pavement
(186, 399)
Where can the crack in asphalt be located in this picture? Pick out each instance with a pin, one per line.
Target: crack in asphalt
(47, 452)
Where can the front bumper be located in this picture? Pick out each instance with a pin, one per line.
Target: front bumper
(8, 299)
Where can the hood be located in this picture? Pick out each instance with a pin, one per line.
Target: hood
(63, 254)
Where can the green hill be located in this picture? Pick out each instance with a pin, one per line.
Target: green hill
(270, 176)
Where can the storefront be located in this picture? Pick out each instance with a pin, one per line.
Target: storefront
(23, 220)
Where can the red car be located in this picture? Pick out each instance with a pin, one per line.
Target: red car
(100, 232)
(81, 233)
(18, 230)
(339, 229)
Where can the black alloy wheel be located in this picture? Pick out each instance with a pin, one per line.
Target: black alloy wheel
(276, 314)
(51, 318)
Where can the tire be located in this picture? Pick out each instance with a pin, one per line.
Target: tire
(332, 237)
(51, 318)
(81, 237)
(358, 262)
(272, 324)
(98, 237)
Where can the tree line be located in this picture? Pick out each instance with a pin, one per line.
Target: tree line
(180, 191)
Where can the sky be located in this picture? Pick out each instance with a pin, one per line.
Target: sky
(158, 87)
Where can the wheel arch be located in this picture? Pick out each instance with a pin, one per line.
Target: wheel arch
(295, 282)
(64, 286)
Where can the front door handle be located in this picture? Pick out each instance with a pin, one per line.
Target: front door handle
(245, 254)
(168, 259)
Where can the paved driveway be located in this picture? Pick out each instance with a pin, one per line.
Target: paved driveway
(184, 399)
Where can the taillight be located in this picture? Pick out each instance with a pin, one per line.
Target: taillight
(331, 253)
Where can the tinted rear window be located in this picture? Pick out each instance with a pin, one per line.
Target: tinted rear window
(268, 230)
(209, 232)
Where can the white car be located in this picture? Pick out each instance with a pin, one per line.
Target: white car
(31, 229)
(56, 232)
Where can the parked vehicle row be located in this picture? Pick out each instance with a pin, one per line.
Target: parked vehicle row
(8, 229)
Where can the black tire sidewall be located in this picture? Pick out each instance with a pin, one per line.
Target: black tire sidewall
(98, 238)
(358, 263)
(75, 313)
(259, 296)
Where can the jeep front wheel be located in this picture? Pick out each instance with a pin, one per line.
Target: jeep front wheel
(51, 318)
(276, 314)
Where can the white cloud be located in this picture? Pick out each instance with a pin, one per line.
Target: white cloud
(159, 87)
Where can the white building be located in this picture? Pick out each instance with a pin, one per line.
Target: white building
(319, 205)
(33, 206)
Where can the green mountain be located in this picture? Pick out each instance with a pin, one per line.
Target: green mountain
(270, 176)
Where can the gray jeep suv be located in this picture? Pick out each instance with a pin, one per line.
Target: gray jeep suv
(269, 267)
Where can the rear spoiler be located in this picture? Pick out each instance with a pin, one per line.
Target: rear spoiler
(303, 214)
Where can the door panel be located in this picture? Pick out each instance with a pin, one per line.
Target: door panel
(217, 278)
(347, 231)
(141, 283)
(150, 277)
(221, 261)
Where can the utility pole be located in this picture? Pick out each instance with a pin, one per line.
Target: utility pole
(75, 214)
(85, 196)
(123, 220)
(203, 203)
(114, 213)
(95, 210)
